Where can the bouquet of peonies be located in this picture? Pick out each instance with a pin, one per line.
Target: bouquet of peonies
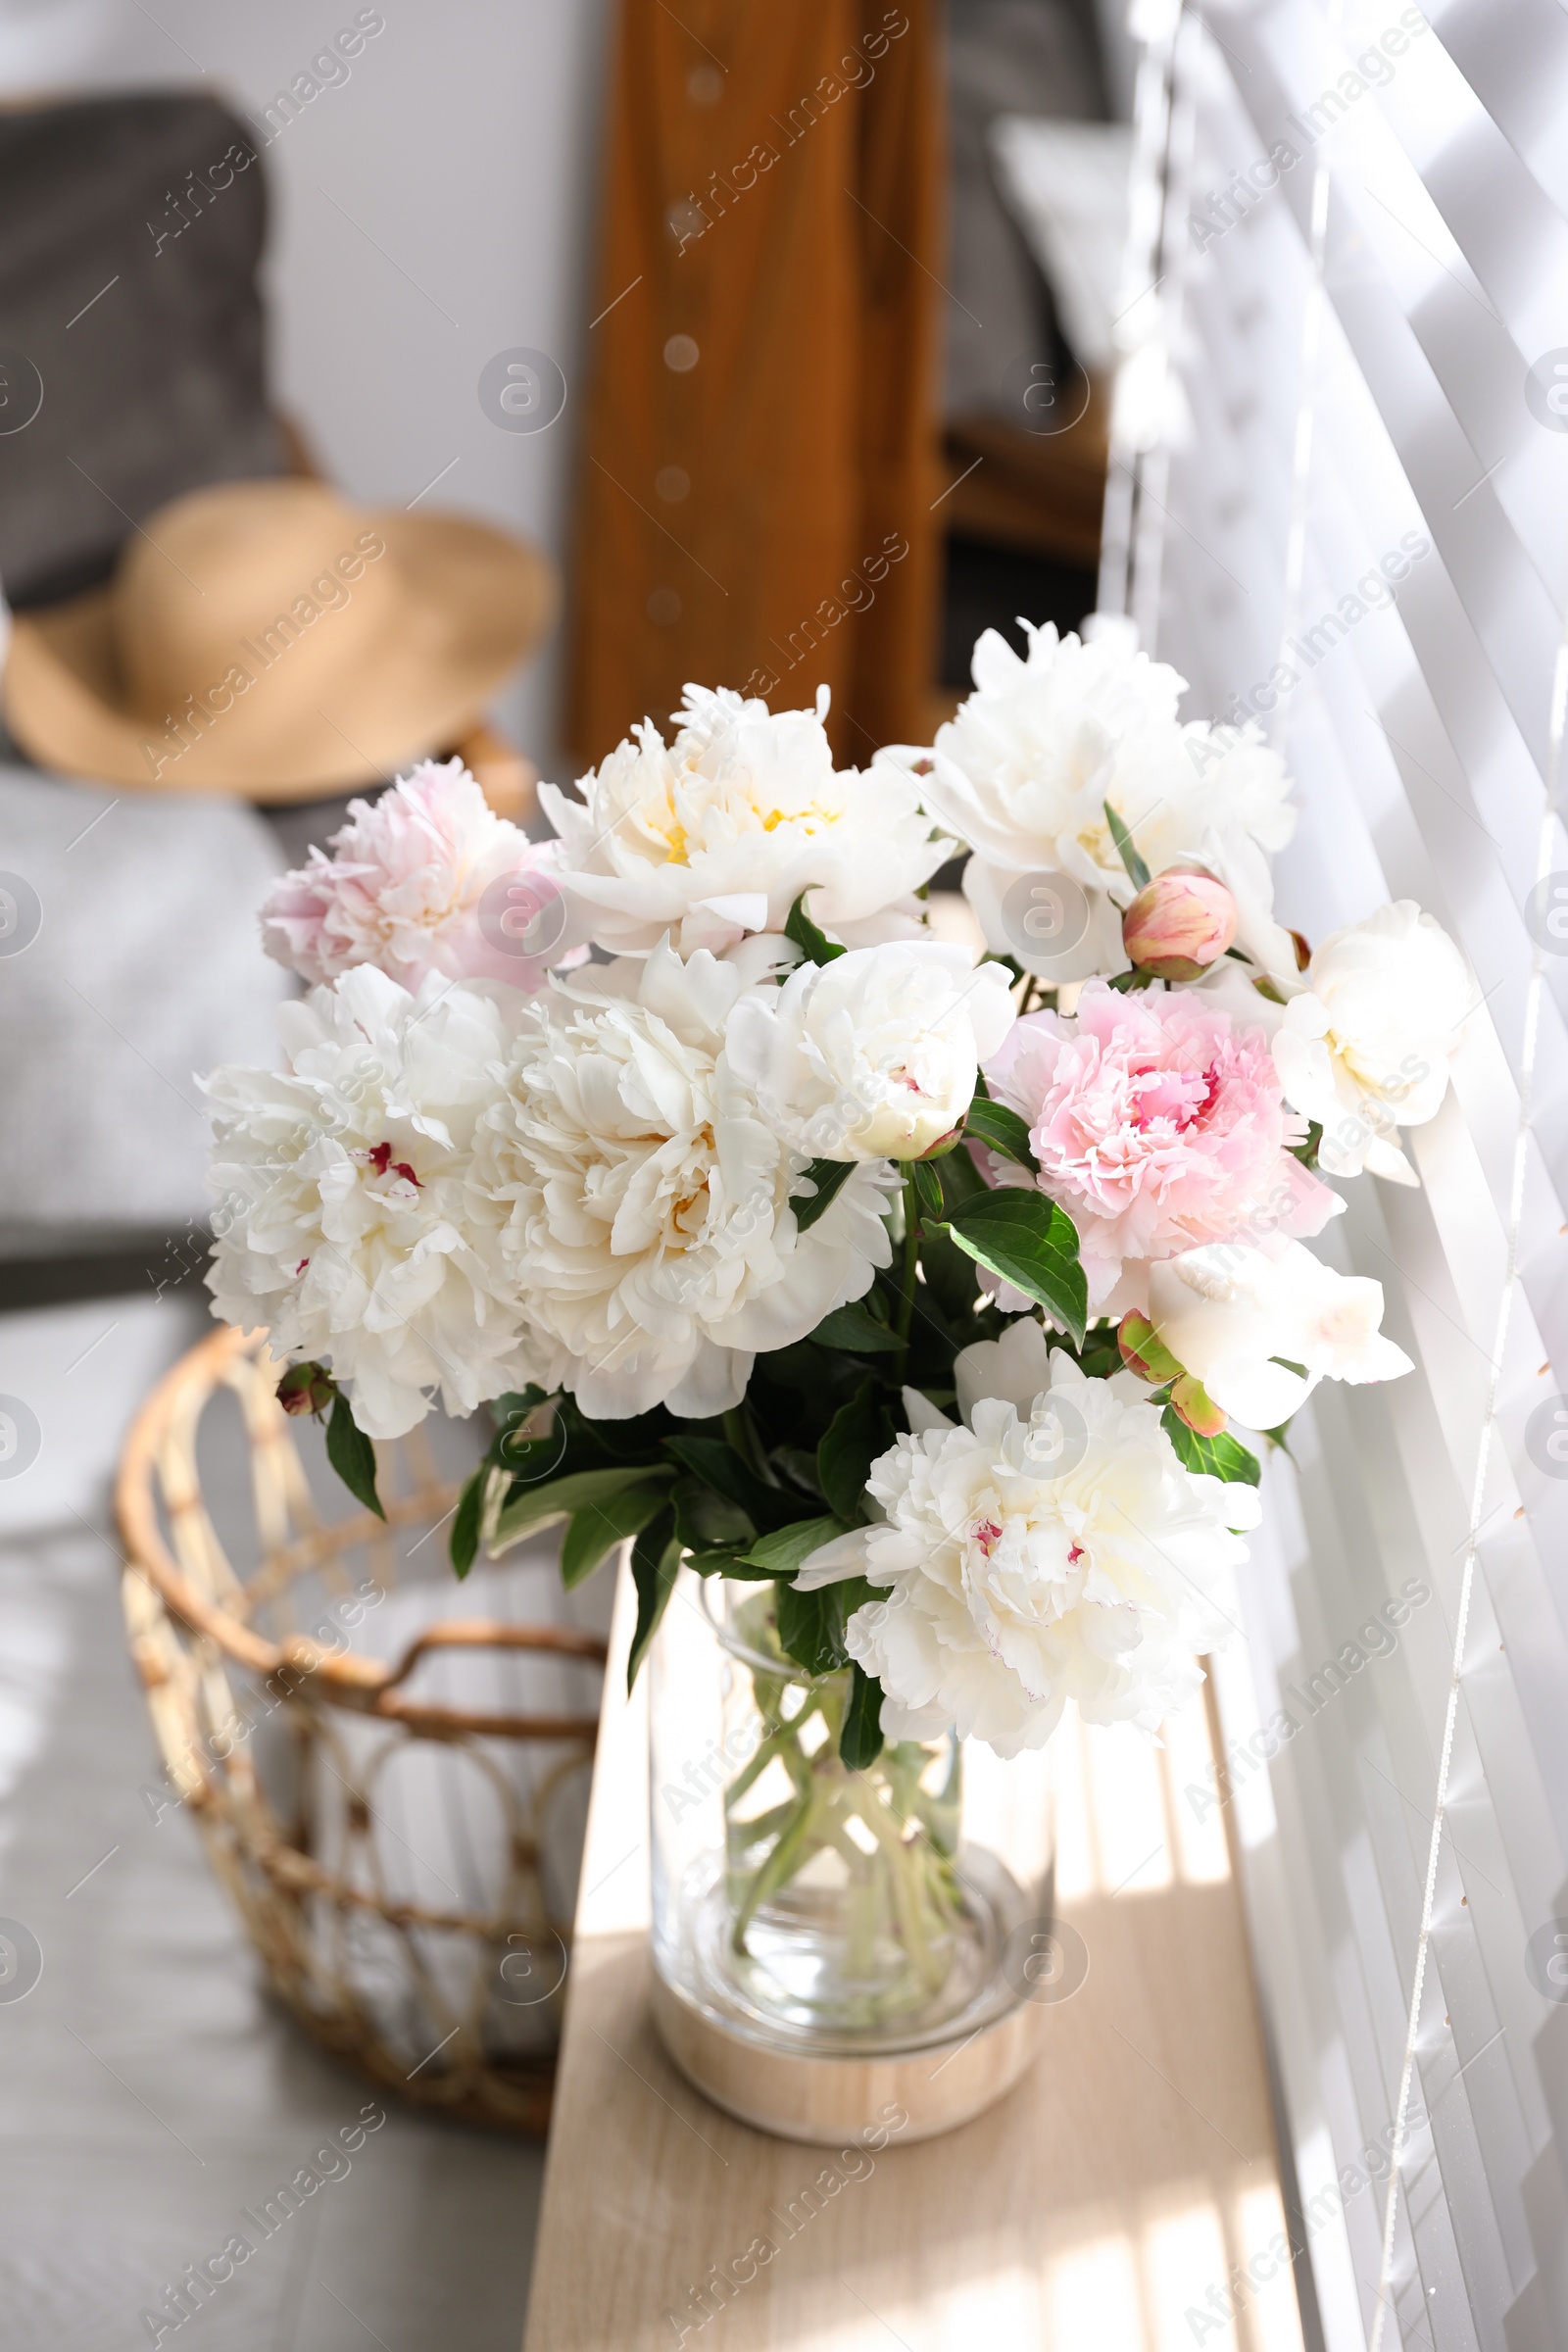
(791, 1242)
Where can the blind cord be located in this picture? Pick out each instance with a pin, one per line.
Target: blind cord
(1306, 392)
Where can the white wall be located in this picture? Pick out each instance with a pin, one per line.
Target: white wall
(463, 144)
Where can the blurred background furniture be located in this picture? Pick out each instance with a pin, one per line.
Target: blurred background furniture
(390, 1773)
(1026, 399)
(769, 417)
(134, 364)
(150, 2087)
(760, 464)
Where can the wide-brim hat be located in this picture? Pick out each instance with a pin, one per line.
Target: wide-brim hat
(268, 638)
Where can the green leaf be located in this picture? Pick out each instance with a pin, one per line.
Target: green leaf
(800, 1465)
(1223, 1457)
(707, 1521)
(516, 1405)
(717, 1464)
(814, 945)
(562, 1498)
(654, 1565)
(464, 1539)
(829, 1176)
(785, 1551)
(598, 1527)
(719, 1562)
(353, 1456)
(531, 1462)
(962, 1180)
(1001, 1130)
(856, 1328)
(1032, 1244)
(950, 1276)
(810, 1626)
(860, 1738)
(857, 1433)
(1137, 870)
(927, 1187)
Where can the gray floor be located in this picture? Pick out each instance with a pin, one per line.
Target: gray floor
(148, 2091)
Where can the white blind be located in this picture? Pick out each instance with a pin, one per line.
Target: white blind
(1338, 502)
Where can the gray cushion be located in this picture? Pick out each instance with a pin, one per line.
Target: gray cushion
(158, 386)
(145, 970)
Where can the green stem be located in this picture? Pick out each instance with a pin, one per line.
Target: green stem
(787, 1736)
(906, 1865)
(786, 1857)
(911, 1245)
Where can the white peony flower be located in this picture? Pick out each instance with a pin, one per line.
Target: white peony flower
(425, 879)
(875, 1054)
(1023, 772)
(1045, 1551)
(719, 834)
(646, 1203)
(1366, 1048)
(344, 1223)
(1239, 1319)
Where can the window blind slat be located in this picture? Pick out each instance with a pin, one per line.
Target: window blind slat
(1419, 731)
(1522, 82)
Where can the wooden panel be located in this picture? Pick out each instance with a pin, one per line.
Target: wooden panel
(1041, 493)
(1099, 2209)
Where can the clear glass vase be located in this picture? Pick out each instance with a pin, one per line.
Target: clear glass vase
(830, 1911)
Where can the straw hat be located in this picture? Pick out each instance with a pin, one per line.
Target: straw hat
(267, 638)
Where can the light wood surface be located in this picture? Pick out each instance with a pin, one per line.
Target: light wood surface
(1099, 2208)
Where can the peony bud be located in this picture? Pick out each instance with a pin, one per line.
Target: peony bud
(1196, 1408)
(1143, 1352)
(1179, 924)
(306, 1388)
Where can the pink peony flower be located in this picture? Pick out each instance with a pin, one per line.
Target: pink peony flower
(425, 879)
(1179, 924)
(1159, 1125)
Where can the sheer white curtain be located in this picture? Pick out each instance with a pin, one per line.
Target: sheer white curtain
(1339, 503)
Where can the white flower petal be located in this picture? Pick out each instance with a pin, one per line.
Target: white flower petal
(722, 830)
(1010, 1586)
(1015, 1368)
(323, 1238)
(640, 1204)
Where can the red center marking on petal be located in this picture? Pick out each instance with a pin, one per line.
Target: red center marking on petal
(988, 1534)
(1075, 1555)
(381, 1162)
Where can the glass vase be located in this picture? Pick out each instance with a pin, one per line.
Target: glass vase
(806, 1906)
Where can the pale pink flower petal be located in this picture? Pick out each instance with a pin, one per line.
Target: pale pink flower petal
(1159, 1125)
(425, 879)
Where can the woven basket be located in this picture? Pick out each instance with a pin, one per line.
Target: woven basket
(392, 1794)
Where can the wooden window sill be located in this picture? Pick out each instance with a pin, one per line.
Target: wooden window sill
(1099, 2208)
